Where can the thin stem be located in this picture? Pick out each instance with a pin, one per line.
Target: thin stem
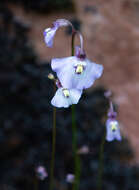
(72, 42)
(77, 165)
(53, 150)
(73, 39)
(111, 106)
(101, 162)
(81, 41)
(36, 183)
(74, 132)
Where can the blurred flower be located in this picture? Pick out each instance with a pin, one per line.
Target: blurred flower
(112, 126)
(113, 131)
(70, 178)
(83, 150)
(65, 97)
(76, 71)
(49, 33)
(108, 94)
(41, 172)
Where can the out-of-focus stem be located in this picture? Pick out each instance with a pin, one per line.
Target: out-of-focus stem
(101, 163)
(77, 165)
(53, 150)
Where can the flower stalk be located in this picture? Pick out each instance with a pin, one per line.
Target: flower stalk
(101, 163)
(77, 166)
(53, 150)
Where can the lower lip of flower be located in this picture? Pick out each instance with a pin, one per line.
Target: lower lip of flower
(79, 69)
(66, 92)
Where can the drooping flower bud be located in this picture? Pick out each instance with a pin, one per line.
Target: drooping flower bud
(49, 33)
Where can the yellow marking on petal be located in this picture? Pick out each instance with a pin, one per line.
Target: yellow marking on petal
(66, 92)
(79, 69)
(113, 126)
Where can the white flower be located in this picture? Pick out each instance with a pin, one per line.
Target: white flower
(65, 97)
(113, 130)
(75, 72)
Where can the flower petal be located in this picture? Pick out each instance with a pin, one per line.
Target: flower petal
(61, 22)
(59, 100)
(75, 95)
(92, 72)
(59, 64)
(118, 135)
(64, 67)
(49, 34)
(70, 79)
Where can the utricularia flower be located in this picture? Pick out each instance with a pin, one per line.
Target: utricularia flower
(112, 127)
(70, 178)
(65, 97)
(75, 73)
(41, 172)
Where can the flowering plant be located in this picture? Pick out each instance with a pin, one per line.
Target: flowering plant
(75, 73)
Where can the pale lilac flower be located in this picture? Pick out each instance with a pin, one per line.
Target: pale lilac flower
(65, 97)
(41, 172)
(49, 33)
(113, 130)
(76, 71)
(70, 178)
(112, 126)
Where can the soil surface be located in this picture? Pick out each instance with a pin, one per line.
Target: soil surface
(111, 38)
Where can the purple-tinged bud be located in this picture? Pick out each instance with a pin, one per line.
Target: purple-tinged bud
(112, 115)
(70, 178)
(41, 172)
(49, 33)
(80, 53)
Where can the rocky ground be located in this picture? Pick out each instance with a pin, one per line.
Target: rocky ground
(111, 34)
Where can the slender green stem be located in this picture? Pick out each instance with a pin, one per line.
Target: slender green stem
(72, 42)
(53, 150)
(36, 183)
(77, 164)
(101, 162)
(74, 137)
